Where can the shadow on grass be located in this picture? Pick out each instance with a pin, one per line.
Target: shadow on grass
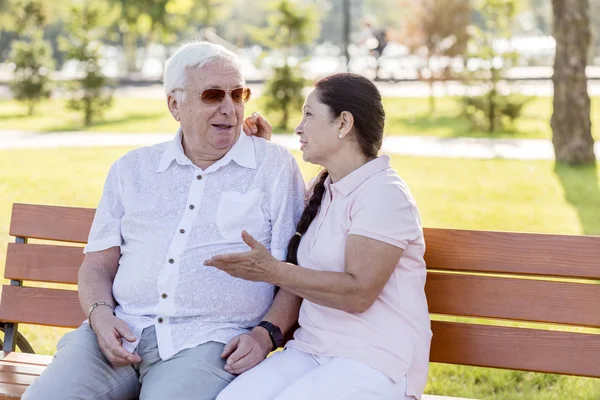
(131, 118)
(582, 191)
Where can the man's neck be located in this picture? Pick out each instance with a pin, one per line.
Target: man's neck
(203, 156)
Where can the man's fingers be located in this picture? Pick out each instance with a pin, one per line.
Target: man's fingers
(125, 332)
(230, 347)
(115, 354)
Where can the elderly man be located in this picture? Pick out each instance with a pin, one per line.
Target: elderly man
(162, 325)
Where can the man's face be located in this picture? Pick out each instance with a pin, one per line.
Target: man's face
(214, 127)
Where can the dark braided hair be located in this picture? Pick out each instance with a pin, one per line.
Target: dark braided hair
(361, 98)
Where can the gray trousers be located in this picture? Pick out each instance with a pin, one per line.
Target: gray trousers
(80, 371)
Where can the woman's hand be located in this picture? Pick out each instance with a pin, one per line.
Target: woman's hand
(255, 265)
(256, 125)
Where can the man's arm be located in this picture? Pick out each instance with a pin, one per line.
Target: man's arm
(96, 276)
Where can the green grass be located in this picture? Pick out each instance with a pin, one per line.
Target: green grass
(405, 116)
(470, 194)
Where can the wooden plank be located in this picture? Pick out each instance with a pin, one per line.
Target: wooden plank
(43, 263)
(23, 369)
(516, 348)
(518, 299)
(514, 253)
(18, 379)
(41, 306)
(25, 358)
(11, 391)
(68, 224)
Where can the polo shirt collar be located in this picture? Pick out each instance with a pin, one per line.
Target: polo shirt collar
(354, 179)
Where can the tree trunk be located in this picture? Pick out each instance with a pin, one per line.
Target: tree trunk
(431, 88)
(571, 124)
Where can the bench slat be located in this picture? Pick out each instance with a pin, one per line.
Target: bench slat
(11, 391)
(23, 369)
(25, 358)
(68, 224)
(43, 263)
(516, 348)
(41, 306)
(18, 379)
(518, 299)
(513, 253)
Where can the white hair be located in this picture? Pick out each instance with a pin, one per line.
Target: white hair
(194, 55)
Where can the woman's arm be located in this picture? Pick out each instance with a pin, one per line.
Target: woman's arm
(369, 265)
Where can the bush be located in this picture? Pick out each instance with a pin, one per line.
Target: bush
(490, 113)
(283, 92)
(33, 63)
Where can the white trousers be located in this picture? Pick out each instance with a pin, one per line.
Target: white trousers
(295, 375)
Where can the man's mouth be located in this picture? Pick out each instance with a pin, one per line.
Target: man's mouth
(222, 126)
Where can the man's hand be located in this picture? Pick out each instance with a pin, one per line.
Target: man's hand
(110, 330)
(247, 350)
(256, 125)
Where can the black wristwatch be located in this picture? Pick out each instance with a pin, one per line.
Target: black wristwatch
(274, 333)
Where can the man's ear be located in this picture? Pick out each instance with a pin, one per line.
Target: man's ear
(173, 106)
(346, 123)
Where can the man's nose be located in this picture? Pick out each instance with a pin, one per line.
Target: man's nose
(227, 106)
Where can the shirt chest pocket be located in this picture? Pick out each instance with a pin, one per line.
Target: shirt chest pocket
(240, 211)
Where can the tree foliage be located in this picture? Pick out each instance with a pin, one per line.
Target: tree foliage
(290, 26)
(490, 57)
(87, 26)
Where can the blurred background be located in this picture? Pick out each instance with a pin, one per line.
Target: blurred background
(492, 110)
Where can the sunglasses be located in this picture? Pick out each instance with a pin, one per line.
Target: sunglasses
(213, 97)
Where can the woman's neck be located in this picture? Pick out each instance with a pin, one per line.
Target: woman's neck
(346, 163)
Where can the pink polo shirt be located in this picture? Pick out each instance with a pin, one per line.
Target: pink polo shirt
(394, 334)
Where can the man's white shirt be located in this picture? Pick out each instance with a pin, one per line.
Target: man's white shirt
(169, 216)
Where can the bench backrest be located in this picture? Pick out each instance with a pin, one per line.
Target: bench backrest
(474, 278)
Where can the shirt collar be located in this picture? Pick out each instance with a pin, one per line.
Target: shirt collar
(242, 152)
(354, 179)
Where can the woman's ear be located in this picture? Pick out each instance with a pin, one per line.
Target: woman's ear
(173, 106)
(346, 124)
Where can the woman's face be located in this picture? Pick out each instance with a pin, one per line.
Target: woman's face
(318, 131)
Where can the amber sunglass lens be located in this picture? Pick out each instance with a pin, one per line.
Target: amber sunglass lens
(240, 95)
(213, 96)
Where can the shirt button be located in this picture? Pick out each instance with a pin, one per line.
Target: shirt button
(199, 177)
(171, 261)
(182, 231)
(160, 320)
(191, 207)
(164, 296)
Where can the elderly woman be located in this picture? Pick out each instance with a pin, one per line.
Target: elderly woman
(356, 260)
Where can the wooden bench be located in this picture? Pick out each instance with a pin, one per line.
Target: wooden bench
(478, 274)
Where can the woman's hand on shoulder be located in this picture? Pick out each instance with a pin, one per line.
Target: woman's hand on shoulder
(257, 125)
